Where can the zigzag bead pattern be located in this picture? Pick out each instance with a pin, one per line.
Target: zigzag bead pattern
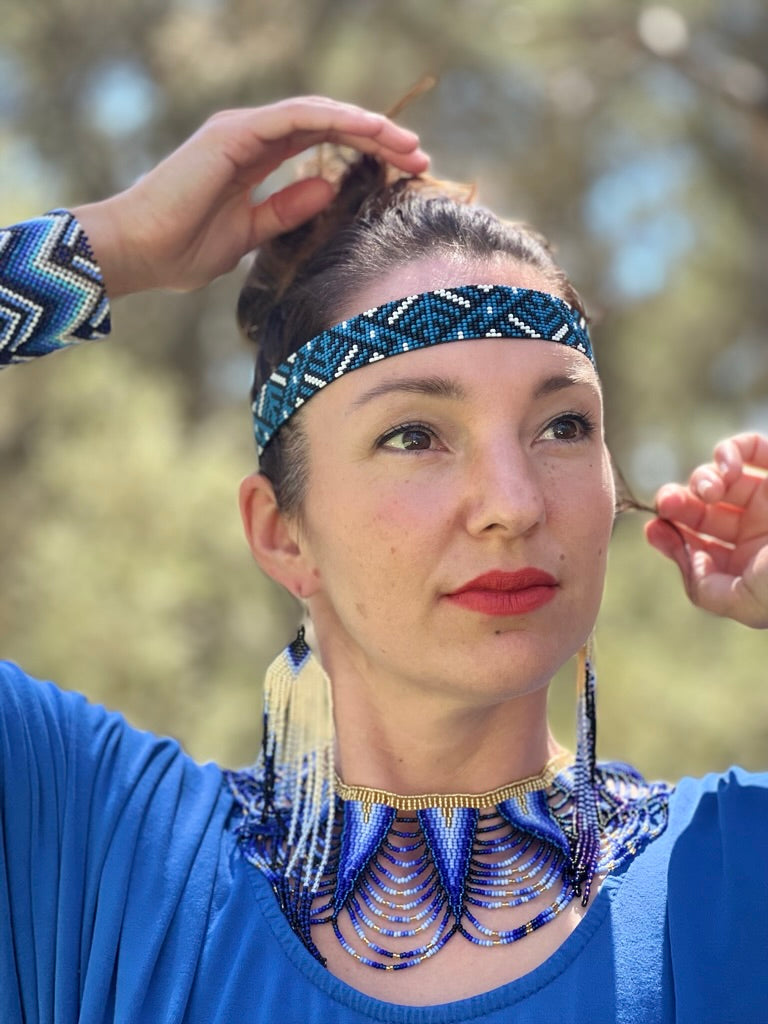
(403, 875)
(51, 289)
(416, 321)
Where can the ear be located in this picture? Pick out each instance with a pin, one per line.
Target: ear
(274, 540)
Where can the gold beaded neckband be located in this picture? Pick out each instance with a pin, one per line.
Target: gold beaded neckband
(368, 797)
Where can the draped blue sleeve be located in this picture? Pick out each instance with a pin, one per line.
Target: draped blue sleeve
(110, 850)
(51, 288)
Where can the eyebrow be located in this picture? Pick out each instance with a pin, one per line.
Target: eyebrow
(561, 381)
(436, 387)
(444, 387)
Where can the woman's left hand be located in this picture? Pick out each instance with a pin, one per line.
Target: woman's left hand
(716, 530)
(193, 217)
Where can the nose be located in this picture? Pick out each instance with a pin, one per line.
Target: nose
(505, 490)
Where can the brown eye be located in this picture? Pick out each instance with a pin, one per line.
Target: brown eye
(415, 439)
(571, 427)
(409, 439)
(565, 429)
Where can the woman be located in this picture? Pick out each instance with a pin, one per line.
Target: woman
(413, 844)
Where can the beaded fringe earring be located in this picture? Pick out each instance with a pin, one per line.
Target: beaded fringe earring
(298, 753)
(586, 842)
(299, 766)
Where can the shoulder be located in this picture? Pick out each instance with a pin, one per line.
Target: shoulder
(719, 826)
(33, 712)
(72, 745)
(689, 914)
(730, 803)
(717, 913)
(39, 712)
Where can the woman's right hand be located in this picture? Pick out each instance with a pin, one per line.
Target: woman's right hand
(715, 528)
(192, 217)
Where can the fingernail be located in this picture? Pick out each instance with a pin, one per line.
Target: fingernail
(705, 488)
(723, 466)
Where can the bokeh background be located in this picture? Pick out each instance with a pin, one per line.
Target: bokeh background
(635, 136)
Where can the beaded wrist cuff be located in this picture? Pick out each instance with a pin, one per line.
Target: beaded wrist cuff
(51, 289)
(417, 321)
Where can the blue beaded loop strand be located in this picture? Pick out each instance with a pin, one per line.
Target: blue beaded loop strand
(404, 875)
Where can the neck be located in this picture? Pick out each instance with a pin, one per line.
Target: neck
(418, 742)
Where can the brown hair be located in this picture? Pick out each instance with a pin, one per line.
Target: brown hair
(302, 282)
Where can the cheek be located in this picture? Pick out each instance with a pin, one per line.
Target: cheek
(403, 504)
(583, 507)
(363, 531)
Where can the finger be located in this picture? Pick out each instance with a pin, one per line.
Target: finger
(294, 125)
(749, 449)
(720, 551)
(711, 480)
(275, 153)
(685, 547)
(664, 537)
(319, 114)
(413, 161)
(740, 596)
(708, 483)
(723, 594)
(684, 508)
(707, 586)
(288, 208)
(726, 478)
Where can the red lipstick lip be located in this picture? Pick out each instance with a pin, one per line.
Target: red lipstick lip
(499, 580)
(506, 593)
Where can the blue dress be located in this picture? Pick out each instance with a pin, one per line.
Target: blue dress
(124, 896)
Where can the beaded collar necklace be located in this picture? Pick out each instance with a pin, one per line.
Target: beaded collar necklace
(403, 875)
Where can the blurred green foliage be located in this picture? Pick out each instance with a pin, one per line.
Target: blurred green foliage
(635, 136)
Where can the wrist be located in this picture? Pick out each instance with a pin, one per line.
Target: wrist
(117, 251)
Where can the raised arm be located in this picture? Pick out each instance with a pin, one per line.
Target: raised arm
(184, 223)
(716, 529)
(192, 218)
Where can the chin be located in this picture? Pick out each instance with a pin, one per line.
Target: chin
(491, 684)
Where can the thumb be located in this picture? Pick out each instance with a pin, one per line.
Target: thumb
(288, 208)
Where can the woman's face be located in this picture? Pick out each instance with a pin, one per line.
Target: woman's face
(439, 466)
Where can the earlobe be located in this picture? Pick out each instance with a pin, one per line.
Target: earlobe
(273, 538)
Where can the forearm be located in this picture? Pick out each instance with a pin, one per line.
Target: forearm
(51, 288)
(181, 225)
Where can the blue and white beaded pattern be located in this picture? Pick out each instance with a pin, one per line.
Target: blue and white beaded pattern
(397, 883)
(51, 289)
(416, 321)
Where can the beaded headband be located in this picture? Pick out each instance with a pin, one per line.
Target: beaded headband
(417, 321)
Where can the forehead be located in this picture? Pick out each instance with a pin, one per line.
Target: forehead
(467, 367)
(429, 274)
